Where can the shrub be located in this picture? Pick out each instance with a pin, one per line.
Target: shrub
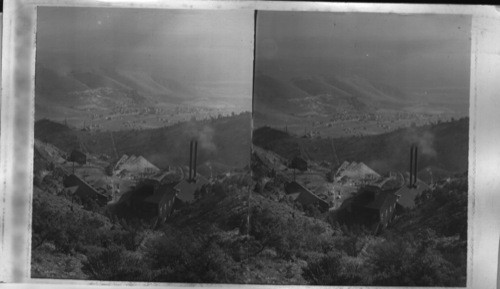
(407, 261)
(114, 264)
(290, 237)
(332, 269)
(183, 256)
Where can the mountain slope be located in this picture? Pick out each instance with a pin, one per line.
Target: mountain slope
(443, 145)
(225, 141)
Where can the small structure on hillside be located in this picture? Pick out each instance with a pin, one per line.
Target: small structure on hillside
(299, 163)
(300, 194)
(414, 187)
(188, 188)
(409, 194)
(78, 187)
(78, 157)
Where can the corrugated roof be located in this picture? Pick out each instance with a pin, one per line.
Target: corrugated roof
(303, 195)
(355, 170)
(135, 164)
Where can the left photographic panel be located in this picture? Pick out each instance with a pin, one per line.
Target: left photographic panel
(142, 144)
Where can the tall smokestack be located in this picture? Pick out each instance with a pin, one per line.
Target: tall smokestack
(195, 157)
(415, 166)
(190, 159)
(410, 182)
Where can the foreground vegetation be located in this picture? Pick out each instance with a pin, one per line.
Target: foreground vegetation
(245, 237)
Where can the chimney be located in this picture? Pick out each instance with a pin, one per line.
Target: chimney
(195, 157)
(415, 166)
(410, 182)
(190, 158)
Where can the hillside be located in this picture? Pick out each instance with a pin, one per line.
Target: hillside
(337, 76)
(443, 146)
(225, 141)
(341, 90)
(335, 98)
(53, 85)
(233, 234)
(424, 246)
(110, 98)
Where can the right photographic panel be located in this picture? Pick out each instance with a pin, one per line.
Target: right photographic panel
(360, 148)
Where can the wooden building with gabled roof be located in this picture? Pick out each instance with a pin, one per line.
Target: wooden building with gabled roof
(161, 202)
(305, 197)
(374, 207)
(82, 189)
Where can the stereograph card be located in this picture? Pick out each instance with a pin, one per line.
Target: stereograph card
(249, 143)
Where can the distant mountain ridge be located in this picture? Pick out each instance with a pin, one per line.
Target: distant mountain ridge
(332, 93)
(54, 85)
(290, 87)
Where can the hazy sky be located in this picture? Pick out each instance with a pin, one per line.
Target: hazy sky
(193, 46)
(409, 50)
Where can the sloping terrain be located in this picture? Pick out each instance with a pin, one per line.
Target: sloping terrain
(443, 145)
(224, 141)
(333, 93)
(327, 97)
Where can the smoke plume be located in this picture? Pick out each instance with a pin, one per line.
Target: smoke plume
(206, 139)
(204, 134)
(424, 141)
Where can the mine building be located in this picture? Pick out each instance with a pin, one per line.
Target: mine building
(78, 187)
(161, 202)
(305, 197)
(149, 200)
(78, 157)
(374, 207)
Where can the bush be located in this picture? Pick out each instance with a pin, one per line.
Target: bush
(114, 264)
(407, 261)
(332, 269)
(290, 237)
(61, 228)
(68, 231)
(183, 256)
